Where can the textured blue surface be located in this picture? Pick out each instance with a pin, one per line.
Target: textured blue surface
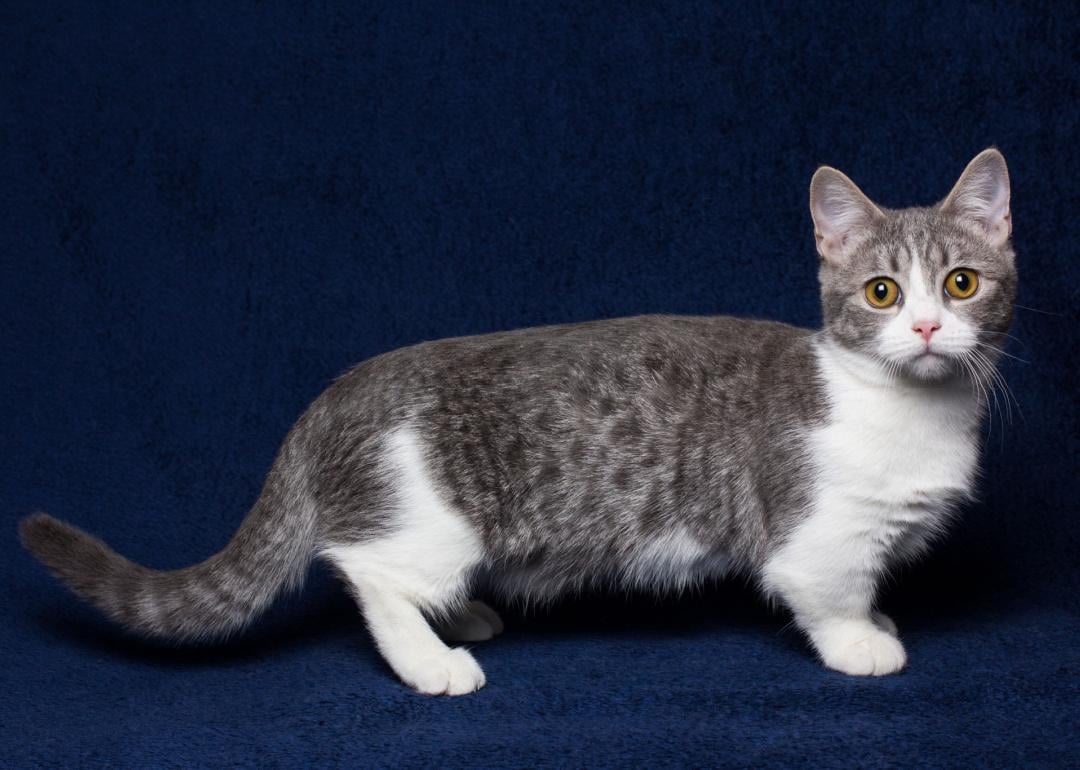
(206, 213)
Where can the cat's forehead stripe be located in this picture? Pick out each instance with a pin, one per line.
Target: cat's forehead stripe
(916, 279)
(927, 252)
(943, 253)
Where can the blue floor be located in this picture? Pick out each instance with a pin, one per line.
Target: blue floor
(712, 679)
(208, 212)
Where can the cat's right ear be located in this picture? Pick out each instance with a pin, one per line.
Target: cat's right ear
(843, 216)
(982, 197)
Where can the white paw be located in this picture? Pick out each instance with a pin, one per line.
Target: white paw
(455, 673)
(885, 623)
(860, 648)
(475, 623)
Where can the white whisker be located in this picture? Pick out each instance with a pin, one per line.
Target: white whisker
(1036, 310)
(999, 351)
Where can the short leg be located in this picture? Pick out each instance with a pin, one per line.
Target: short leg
(422, 563)
(488, 614)
(411, 647)
(475, 622)
(827, 573)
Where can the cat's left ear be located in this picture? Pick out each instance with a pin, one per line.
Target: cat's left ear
(981, 197)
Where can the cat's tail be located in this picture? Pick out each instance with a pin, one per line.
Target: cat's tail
(269, 552)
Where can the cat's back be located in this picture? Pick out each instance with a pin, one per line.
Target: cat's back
(624, 348)
(537, 374)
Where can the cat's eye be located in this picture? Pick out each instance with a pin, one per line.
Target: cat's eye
(961, 283)
(882, 292)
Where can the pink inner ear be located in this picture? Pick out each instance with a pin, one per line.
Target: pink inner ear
(838, 215)
(841, 212)
(982, 195)
(993, 213)
(831, 243)
(1000, 230)
(996, 206)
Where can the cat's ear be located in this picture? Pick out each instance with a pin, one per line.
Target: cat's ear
(981, 197)
(843, 216)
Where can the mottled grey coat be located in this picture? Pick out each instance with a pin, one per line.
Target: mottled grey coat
(567, 448)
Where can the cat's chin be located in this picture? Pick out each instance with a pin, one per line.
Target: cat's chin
(930, 367)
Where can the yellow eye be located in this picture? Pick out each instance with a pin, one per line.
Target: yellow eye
(962, 283)
(882, 292)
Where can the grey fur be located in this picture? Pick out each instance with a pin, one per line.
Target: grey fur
(941, 242)
(566, 447)
(269, 552)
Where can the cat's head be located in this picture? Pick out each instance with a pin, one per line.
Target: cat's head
(924, 291)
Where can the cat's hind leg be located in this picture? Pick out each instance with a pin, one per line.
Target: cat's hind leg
(885, 623)
(398, 586)
(419, 566)
(475, 622)
(410, 646)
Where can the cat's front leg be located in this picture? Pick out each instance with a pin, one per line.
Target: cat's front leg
(856, 646)
(827, 573)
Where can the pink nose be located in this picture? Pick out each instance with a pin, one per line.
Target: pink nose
(926, 328)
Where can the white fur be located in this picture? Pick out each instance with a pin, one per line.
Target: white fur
(923, 300)
(671, 561)
(425, 563)
(887, 457)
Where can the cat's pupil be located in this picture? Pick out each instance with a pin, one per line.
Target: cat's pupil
(961, 281)
(881, 291)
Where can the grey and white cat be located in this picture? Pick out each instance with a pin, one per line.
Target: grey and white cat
(649, 452)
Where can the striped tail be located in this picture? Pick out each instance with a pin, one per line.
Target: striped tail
(271, 551)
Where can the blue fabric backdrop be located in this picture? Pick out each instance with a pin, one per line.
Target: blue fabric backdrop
(210, 210)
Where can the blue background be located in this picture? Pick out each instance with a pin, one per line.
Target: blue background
(209, 212)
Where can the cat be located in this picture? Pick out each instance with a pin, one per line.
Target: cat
(649, 452)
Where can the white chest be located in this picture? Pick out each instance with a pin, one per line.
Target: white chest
(890, 446)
